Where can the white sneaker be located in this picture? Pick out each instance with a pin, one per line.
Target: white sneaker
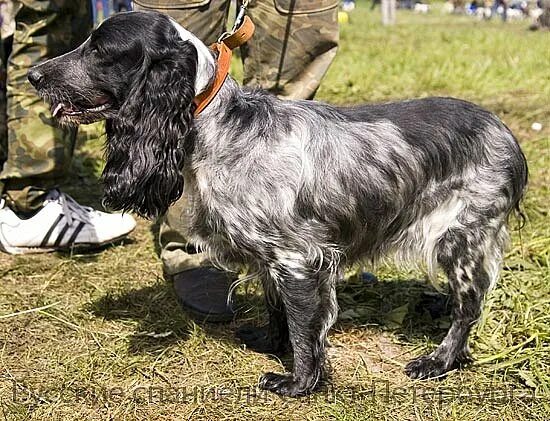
(61, 224)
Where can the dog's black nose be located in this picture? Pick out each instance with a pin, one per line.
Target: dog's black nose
(35, 77)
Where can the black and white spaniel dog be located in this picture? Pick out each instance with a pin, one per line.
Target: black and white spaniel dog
(295, 190)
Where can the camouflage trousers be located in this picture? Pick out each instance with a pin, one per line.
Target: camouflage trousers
(34, 151)
(293, 46)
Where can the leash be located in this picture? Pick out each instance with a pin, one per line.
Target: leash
(242, 31)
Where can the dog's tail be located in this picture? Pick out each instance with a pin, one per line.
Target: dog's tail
(520, 215)
(520, 183)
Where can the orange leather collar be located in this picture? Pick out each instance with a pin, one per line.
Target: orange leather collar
(223, 63)
(224, 48)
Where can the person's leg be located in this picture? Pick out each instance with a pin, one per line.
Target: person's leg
(504, 10)
(204, 18)
(5, 32)
(34, 217)
(207, 20)
(293, 46)
(38, 151)
(201, 289)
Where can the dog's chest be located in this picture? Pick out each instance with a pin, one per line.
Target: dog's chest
(205, 211)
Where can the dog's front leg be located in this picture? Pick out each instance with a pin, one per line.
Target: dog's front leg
(309, 299)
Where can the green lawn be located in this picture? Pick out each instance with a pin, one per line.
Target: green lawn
(104, 338)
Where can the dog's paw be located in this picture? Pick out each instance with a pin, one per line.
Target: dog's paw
(426, 367)
(258, 339)
(464, 357)
(283, 384)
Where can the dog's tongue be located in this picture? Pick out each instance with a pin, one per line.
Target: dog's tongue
(101, 100)
(58, 108)
(62, 108)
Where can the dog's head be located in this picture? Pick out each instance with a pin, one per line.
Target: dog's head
(140, 71)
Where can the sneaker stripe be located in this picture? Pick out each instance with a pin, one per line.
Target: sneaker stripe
(44, 242)
(75, 233)
(61, 235)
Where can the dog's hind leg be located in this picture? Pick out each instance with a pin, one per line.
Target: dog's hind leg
(471, 260)
(309, 298)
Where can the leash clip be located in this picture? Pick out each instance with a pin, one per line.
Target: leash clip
(242, 31)
(238, 21)
(240, 16)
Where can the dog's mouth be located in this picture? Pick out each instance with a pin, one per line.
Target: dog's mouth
(66, 109)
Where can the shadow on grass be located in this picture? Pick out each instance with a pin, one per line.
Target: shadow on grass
(155, 308)
(413, 309)
(162, 321)
(409, 308)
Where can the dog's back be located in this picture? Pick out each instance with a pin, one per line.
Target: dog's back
(439, 167)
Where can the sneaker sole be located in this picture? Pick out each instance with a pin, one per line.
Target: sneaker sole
(41, 250)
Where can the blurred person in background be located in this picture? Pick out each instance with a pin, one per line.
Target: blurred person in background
(500, 7)
(102, 9)
(542, 21)
(122, 5)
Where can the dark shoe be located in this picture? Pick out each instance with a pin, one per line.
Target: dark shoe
(203, 292)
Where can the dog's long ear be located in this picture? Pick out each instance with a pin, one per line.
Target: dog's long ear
(145, 143)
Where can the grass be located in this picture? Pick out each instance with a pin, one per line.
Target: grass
(100, 335)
